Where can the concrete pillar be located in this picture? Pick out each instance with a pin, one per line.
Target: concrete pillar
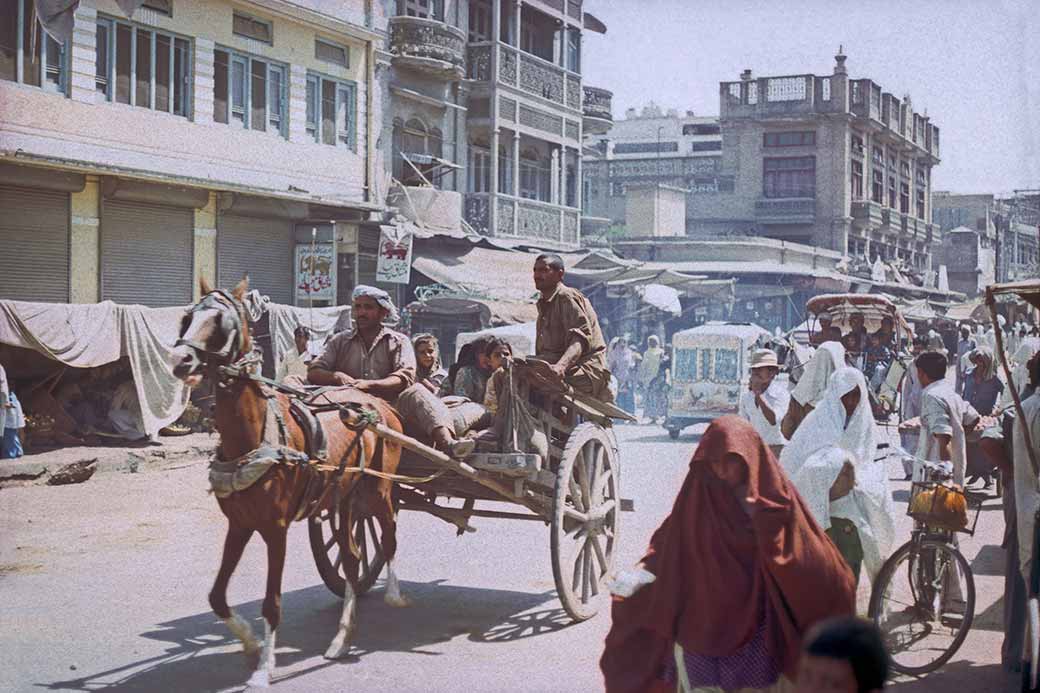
(554, 176)
(493, 202)
(202, 92)
(563, 175)
(85, 243)
(516, 164)
(206, 244)
(82, 60)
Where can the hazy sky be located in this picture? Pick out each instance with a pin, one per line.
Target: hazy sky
(973, 65)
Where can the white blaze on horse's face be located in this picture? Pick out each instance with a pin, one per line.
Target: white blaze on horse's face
(200, 327)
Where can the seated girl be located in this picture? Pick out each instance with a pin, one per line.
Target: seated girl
(430, 374)
(498, 352)
(469, 375)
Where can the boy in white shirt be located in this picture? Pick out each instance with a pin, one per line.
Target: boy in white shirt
(765, 401)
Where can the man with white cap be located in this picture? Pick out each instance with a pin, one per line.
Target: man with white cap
(375, 359)
(765, 400)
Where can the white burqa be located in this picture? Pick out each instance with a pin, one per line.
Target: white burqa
(813, 383)
(819, 449)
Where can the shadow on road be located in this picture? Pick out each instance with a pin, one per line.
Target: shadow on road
(197, 660)
(661, 436)
(964, 677)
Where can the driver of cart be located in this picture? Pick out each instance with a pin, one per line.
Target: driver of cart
(764, 401)
(831, 461)
(828, 332)
(946, 418)
(374, 359)
(812, 385)
(887, 332)
(568, 335)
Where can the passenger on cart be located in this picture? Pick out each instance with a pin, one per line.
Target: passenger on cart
(568, 335)
(375, 359)
(827, 332)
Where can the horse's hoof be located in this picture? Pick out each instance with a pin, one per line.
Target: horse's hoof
(398, 601)
(337, 650)
(260, 679)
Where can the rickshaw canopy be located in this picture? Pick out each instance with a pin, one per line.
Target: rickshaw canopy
(873, 308)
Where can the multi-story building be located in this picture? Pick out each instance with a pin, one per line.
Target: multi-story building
(486, 100)
(207, 138)
(828, 161)
(988, 238)
(652, 146)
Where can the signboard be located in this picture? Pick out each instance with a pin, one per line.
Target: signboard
(394, 263)
(315, 265)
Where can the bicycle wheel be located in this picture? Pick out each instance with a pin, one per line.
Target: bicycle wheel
(917, 601)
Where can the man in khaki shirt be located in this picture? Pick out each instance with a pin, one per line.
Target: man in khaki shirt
(381, 362)
(568, 333)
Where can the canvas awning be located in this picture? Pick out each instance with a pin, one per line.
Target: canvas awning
(478, 272)
(492, 312)
(664, 298)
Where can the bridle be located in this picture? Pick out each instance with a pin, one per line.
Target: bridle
(232, 354)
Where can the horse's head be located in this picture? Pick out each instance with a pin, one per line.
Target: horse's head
(214, 332)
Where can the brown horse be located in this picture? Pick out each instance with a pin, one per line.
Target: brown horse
(215, 342)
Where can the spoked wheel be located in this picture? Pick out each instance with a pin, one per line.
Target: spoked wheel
(586, 513)
(924, 603)
(324, 528)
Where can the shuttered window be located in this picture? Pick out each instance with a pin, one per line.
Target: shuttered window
(34, 235)
(259, 248)
(147, 253)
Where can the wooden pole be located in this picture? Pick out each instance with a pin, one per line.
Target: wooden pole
(991, 303)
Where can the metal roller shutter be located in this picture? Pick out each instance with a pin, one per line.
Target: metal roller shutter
(260, 248)
(34, 237)
(147, 253)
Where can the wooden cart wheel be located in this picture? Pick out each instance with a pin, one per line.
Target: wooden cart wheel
(586, 514)
(368, 535)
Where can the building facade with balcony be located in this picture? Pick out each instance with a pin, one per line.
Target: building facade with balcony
(651, 146)
(486, 102)
(211, 139)
(827, 161)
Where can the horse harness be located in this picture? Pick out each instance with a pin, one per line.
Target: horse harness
(230, 476)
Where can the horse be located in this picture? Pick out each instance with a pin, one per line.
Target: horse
(214, 342)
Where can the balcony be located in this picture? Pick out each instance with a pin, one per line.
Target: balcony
(428, 46)
(533, 219)
(795, 210)
(597, 114)
(868, 212)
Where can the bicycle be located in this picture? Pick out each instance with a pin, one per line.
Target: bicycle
(923, 599)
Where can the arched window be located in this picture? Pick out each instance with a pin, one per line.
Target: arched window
(414, 138)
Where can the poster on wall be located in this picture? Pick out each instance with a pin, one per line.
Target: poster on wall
(315, 265)
(394, 264)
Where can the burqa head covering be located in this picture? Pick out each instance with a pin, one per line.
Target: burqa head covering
(379, 296)
(829, 357)
(726, 560)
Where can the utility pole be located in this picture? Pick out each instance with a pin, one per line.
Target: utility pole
(657, 183)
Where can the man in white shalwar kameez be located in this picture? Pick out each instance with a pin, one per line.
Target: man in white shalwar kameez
(809, 391)
(835, 448)
(1027, 479)
(945, 417)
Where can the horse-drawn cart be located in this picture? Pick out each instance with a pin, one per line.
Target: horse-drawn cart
(573, 488)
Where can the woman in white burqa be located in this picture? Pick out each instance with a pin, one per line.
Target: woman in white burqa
(831, 462)
(809, 390)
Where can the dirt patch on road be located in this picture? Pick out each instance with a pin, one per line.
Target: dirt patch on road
(20, 568)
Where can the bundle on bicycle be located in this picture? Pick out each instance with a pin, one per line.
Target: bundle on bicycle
(923, 600)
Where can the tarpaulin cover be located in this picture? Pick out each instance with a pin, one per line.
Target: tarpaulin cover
(662, 297)
(91, 335)
(94, 334)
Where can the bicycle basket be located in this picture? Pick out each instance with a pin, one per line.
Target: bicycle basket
(940, 506)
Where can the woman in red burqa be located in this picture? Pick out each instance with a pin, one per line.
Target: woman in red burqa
(734, 577)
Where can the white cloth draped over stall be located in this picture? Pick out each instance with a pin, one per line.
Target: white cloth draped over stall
(91, 335)
(814, 457)
(813, 383)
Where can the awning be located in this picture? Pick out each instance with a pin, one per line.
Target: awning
(492, 312)
(440, 166)
(478, 272)
(593, 23)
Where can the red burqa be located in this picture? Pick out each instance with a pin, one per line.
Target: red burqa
(716, 566)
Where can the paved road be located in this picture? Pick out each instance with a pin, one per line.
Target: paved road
(104, 587)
